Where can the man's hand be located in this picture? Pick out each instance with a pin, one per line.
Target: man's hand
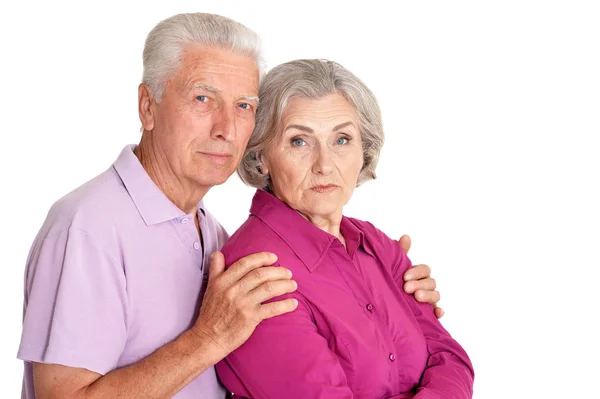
(233, 303)
(419, 282)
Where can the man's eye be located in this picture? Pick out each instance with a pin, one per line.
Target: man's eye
(202, 98)
(245, 106)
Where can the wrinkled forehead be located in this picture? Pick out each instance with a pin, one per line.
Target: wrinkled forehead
(327, 112)
(216, 67)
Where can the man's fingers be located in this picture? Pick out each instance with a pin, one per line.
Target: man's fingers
(277, 308)
(405, 243)
(426, 284)
(262, 275)
(244, 265)
(431, 297)
(417, 272)
(272, 289)
(439, 312)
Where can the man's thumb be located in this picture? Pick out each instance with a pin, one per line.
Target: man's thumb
(217, 264)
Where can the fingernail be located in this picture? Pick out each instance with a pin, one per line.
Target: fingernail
(409, 287)
(408, 276)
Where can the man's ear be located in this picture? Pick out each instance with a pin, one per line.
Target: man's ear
(146, 107)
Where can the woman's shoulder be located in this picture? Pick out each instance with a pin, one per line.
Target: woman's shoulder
(381, 245)
(375, 237)
(255, 236)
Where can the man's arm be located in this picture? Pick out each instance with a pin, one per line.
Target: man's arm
(418, 281)
(231, 310)
(160, 375)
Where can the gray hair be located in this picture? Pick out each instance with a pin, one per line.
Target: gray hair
(312, 79)
(168, 38)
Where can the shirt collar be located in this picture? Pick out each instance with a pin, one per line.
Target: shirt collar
(152, 204)
(308, 242)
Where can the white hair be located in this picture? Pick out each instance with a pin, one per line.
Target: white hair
(312, 79)
(162, 51)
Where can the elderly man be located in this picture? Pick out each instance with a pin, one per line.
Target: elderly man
(118, 302)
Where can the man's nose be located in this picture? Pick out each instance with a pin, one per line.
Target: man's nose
(224, 125)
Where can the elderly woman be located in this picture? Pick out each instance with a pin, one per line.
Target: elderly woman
(355, 333)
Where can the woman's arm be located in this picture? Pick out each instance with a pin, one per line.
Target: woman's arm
(285, 357)
(449, 373)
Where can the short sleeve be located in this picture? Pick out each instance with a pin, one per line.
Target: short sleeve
(75, 304)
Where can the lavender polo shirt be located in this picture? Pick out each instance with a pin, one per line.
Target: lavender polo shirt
(116, 271)
(355, 333)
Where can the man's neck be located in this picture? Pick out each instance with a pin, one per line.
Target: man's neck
(180, 191)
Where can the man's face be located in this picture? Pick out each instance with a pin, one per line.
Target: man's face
(206, 116)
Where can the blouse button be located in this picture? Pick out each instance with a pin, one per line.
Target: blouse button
(196, 245)
(392, 357)
(369, 307)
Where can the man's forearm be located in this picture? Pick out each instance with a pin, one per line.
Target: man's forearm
(161, 374)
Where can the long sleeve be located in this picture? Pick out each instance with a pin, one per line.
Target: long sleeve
(449, 373)
(353, 334)
(285, 357)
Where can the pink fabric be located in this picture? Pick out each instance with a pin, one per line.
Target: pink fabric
(115, 272)
(355, 333)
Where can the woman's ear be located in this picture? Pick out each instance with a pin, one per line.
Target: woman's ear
(262, 165)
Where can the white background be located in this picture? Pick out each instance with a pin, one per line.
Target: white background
(491, 161)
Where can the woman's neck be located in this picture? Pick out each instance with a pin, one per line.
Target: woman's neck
(328, 223)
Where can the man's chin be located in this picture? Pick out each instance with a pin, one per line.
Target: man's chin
(216, 179)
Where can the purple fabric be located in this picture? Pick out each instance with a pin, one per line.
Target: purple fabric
(115, 272)
(355, 333)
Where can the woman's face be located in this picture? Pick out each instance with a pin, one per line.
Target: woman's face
(315, 161)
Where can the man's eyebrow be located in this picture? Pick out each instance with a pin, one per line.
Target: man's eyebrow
(217, 91)
(251, 98)
(206, 87)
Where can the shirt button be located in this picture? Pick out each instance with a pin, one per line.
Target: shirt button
(369, 307)
(185, 220)
(196, 245)
(392, 357)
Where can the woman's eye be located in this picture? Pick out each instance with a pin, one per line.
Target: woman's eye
(202, 98)
(342, 141)
(298, 142)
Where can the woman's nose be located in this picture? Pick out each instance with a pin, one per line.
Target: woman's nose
(323, 164)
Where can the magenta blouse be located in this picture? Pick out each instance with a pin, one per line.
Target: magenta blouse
(355, 333)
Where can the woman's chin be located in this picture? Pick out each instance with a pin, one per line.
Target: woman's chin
(324, 211)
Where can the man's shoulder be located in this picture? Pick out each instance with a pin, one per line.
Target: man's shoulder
(94, 203)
